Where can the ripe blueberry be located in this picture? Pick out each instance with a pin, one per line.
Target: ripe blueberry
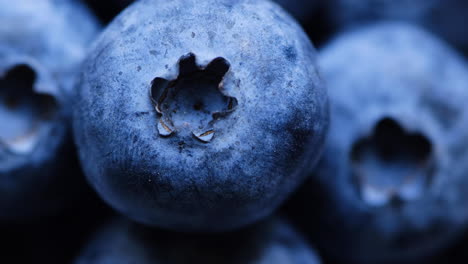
(41, 46)
(200, 115)
(392, 177)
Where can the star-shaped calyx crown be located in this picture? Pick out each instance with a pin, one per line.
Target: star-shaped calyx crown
(23, 111)
(392, 166)
(194, 101)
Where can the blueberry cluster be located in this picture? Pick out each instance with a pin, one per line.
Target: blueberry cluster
(214, 131)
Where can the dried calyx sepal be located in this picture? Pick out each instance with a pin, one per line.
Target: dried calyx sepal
(195, 100)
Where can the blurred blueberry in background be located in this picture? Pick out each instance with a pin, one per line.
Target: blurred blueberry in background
(446, 18)
(391, 185)
(54, 33)
(270, 242)
(41, 47)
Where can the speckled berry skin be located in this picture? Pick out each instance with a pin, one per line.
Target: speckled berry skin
(442, 17)
(41, 47)
(408, 201)
(271, 242)
(261, 69)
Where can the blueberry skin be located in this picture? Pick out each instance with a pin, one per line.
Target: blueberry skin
(41, 47)
(391, 183)
(274, 241)
(442, 17)
(253, 65)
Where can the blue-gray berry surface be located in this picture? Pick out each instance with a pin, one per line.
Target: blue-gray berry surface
(56, 33)
(42, 44)
(200, 115)
(392, 181)
(444, 18)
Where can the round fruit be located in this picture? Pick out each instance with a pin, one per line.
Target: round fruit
(200, 115)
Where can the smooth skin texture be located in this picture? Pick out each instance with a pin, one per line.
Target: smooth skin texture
(270, 242)
(156, 146)
(391, 183)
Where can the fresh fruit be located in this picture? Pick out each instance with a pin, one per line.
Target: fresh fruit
(41, 47)
(200, 116)
(391, 184)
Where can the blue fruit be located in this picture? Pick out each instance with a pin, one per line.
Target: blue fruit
(442, 17)
(54, 33)
(200, 115)
(392, 182)
(41, 47)
(271, 242)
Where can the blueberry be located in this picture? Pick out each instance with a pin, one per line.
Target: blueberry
(274, 241)
(442, 17)
(391, 182)
(40, 50)
(55, 33)
(200, 116)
